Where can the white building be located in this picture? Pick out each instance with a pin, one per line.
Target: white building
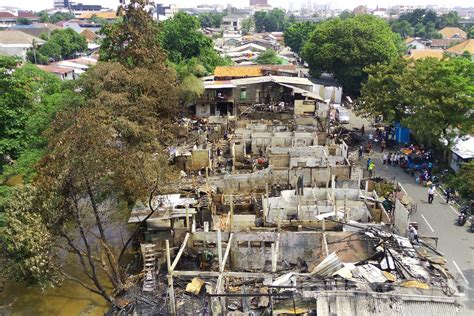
(165, 12)
(17, 43)
(462, 152)
(232, 23)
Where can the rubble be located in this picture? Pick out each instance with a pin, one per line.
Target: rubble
(270, 215)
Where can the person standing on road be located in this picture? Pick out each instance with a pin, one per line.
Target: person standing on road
(369, 161)
(384, 159)
(431, 192)
(371, 169)
(361, 151)
(383, 144)
(449, 191)
(362, 130)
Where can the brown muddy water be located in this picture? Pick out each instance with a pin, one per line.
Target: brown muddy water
(69, 299)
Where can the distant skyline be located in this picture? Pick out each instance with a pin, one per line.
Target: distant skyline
(37, 5)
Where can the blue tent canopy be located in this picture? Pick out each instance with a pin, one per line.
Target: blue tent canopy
(402, 134)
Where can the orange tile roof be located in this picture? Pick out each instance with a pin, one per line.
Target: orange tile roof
(110, 15)
(89, 35)
(450, 32)
(238, 71)
(249, 71)
(425, 53)
(466, 46)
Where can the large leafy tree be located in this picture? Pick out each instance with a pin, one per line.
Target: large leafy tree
(297, 34)
(271, 21)
(211, 19)
(248, 25)
(105, 151)
(346, 47)
(403, 27)
(62, 44)
(424, 23)
(431, 97)
(24, 93)
(183, 40)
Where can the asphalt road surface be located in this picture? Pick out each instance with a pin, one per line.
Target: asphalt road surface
(435, 220)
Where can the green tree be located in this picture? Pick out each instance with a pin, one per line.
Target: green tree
(248, 25)
(346, 47)
(23, 93)
(54, 18)
(211, 19)
(268, 57)
(449, 19)
(346, 14)
(463, 182)
(274, 20)
(62, 44)
(23, 21)
(429, 96)
(104, 147)
(297, 34)
(382, 93)
(182, 40)
(403, 27)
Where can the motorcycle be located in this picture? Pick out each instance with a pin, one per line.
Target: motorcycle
(462, 218)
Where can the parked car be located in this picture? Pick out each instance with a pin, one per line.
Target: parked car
(342, 116)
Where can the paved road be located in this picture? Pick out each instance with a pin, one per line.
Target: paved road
(435, 220)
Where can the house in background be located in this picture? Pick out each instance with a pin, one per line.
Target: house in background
(60, 72)
(452, 32)
(425, 53)
(444, 43)
(17, 43)
(232, 23)
(464, 47)
(9, 18)
(36, 29)
(462, 152)
(416, 43)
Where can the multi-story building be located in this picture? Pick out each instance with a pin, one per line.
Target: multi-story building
(164, 12)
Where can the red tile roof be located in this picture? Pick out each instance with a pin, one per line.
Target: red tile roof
(26, 14)
(6, 15)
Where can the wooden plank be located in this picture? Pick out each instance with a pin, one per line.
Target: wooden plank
(219, 248)
(227, 251)
(180, 252)
(168, 255)
(225, 274)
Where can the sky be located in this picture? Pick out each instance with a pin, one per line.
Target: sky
(37, 5)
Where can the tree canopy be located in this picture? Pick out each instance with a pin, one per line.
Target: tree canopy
(297, 34)
(211, 19)
(62, 44)
(274, 20)
(183, 40)
(105, 150)
(54, 18)
(423, 23)
(268, 57)
(431, 97)
(345, 47)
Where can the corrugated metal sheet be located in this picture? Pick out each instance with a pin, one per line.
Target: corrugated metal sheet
(368, 305)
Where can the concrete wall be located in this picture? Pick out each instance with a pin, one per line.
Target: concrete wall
(305, 107)
(402, 218)
(252, 251)
(200, 159)
(341, 172)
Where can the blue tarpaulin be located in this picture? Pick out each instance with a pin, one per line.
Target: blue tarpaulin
(402, 134)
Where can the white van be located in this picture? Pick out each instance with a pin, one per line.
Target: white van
(342, 116)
